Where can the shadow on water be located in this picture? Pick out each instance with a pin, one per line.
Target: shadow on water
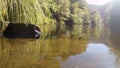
(77, 47)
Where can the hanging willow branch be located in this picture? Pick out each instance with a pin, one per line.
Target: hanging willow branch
(24, 11)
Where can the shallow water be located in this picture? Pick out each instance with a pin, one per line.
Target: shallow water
(81, 47)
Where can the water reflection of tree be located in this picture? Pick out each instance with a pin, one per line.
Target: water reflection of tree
(86, 32)
(45, 52)
(77, 32)
(17, 53)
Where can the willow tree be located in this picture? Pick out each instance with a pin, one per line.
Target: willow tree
(26, 11)
(2, 10)
(60, 10)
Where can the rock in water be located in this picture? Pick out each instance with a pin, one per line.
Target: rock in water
(21, 30)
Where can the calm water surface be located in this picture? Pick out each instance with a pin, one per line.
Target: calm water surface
(79, 47)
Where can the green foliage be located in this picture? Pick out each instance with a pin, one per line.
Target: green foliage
(95, 17)
(79, 11)
(2, 10)
(43, 11)
(26, 11)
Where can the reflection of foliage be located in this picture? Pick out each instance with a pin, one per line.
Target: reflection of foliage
(45, 51)
(42, 52)
(76, 32)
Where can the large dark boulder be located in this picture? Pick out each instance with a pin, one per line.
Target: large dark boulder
(21, 30)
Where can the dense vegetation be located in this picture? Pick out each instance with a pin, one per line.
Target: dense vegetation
(95, 17)
(44, 11)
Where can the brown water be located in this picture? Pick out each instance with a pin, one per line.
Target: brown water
(81, 47)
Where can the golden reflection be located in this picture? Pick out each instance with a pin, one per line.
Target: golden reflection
(43, 53)
(19, 53)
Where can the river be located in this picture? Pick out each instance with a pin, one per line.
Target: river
(79, 47)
